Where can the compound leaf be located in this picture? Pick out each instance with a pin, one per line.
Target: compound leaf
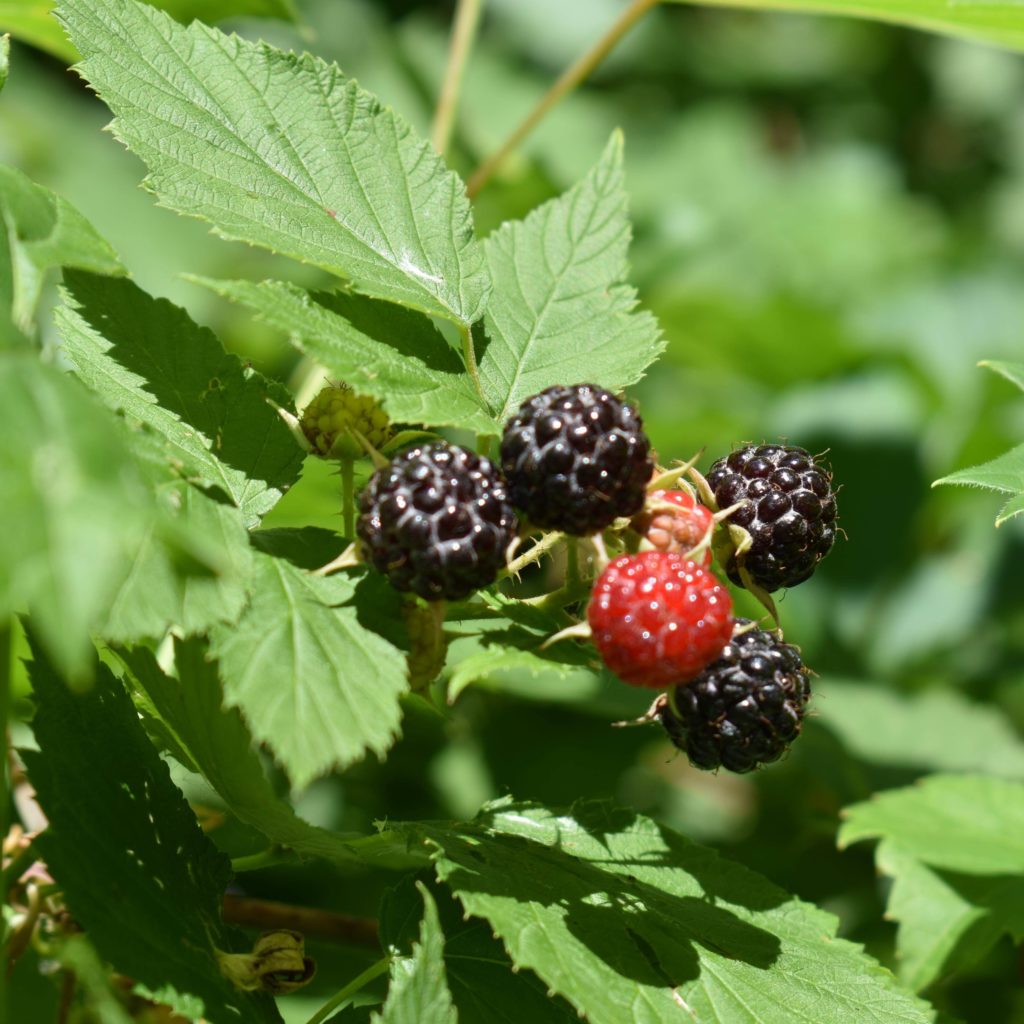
(311, 681)
(994, 21)
(147, 358)
(418, 992)
(629, 921)
(45, 231)
(953, 845)
(218, 743)
(284, 152)
(136, 869)
(378, 348)
(559, 301)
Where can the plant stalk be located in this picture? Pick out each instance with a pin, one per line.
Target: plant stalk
(467, 20)
(469, 354)
(569, 80)
(344, 995)
(270, 915)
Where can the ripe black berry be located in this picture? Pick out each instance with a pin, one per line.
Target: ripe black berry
(436, 521)
(744, 709)
(576, 458)
(790, 514)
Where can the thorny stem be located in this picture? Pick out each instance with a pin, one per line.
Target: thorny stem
(344, 995)
(467, 18)
(569, 80)
(534, 554)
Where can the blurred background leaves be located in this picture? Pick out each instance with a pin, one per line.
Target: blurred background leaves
(829, 225)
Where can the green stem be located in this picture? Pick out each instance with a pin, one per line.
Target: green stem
(570, 79)
(467, 19)
(344, 995)
(264, 859)
(572, 565)
(469, 354)
(348, 497)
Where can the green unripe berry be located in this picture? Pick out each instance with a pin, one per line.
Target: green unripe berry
(330, 419)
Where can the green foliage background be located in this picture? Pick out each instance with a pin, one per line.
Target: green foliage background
(829, 226)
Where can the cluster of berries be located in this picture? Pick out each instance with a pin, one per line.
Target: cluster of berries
(438, 521)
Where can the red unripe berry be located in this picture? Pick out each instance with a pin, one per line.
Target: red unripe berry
(678, 529)
(659, 619)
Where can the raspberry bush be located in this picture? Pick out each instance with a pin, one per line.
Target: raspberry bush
(382, 651)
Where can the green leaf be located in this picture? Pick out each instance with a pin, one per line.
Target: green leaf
(162, 591)
(147, 358)
(485, 987)
(630, 921)
(993, 21)
(5, 59)
(217, 742)
(45, 231)
(313, 684)
(496, 647)
(1013, 372)
(418, 992)
(953, 844)
(137, 871)
(1005, 474)
(75, 508)
(284, 152)
(379, 349)
(946, 921)
(968, 823)
(558, 302)
(938, 730)
(33, 21)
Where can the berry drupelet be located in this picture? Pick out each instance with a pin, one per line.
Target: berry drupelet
(436, 521)
(744, 709)
(576, 458)
(789, 511)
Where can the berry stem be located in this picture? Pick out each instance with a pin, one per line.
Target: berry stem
(341, 997)
(570, 79)
(348, 497)
(534, 554)
(467, 19)
(572, 564)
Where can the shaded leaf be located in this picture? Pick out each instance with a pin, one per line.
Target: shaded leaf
(5, 59)
(310, 680)
(136, 869)
(45, 231)
(218, 743)
(378, 348)
(630, 921)
(484, 986)
(418, 992)
(285, 152)
(146, 357)
(558, 301)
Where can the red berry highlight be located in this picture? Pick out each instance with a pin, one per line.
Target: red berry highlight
(659, 619)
